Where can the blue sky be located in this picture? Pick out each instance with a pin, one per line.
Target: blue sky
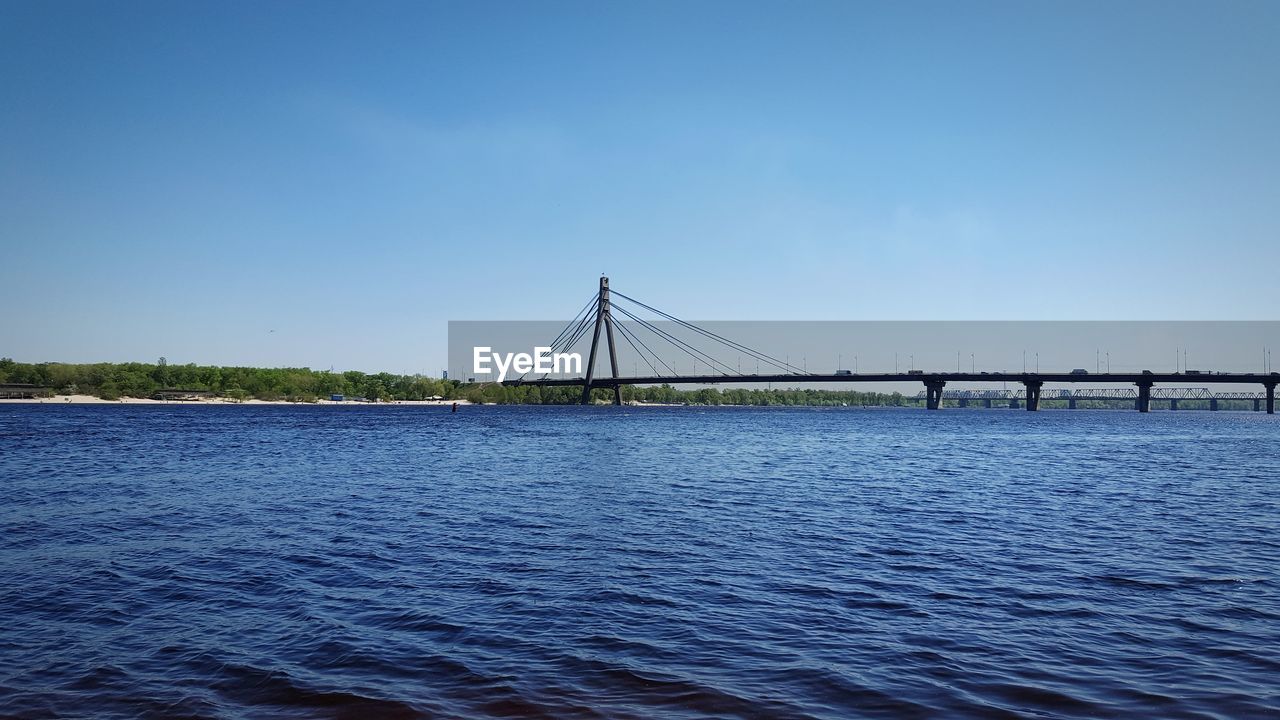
(186, 178)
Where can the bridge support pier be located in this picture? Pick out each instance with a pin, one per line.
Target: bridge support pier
(1213, 404)
(963, 402)
(1033, 394)
(1173, 404)
(1071, 403)
(1271, 398)
(933, 393)
(987, 403)
(1144, 396)
(1013, 403)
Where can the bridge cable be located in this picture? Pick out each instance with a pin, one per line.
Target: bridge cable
(693, 351)
(755, 354)
(577, 335)
(721, 339)
(714, 363)
(670, 339)
(586, 326)
(573, 338)
(679, 344)
(658, 359)
(626, 336)
(579, 319)
(735, 345)
(634, 336)
(569, 341)
(583, 313)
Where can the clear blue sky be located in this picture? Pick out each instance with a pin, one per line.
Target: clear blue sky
(181, 179)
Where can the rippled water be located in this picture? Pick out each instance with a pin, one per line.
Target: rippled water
(584, 562)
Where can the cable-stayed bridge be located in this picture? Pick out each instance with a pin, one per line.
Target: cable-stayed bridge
(638, 322)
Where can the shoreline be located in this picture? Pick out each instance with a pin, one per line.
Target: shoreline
(91, 400)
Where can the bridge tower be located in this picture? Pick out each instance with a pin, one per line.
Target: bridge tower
(604, 318)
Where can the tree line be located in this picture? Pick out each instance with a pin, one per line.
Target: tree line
(111, 381)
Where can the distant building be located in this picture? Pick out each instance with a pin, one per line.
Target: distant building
(337, 398)
(183, 395)
(21, 391)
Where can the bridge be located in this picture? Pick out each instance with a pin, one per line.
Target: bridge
(1172, 395)
(597, 319)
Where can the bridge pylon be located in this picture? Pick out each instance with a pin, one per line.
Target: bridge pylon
(604, 319)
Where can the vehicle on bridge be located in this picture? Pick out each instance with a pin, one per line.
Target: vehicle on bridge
(1079, 371)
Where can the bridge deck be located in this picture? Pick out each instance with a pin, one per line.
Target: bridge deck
(948, 377)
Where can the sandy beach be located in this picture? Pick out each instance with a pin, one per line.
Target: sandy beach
(91, 400)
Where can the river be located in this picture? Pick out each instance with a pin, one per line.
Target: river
(221, 562)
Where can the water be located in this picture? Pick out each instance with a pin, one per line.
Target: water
(566, 562)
